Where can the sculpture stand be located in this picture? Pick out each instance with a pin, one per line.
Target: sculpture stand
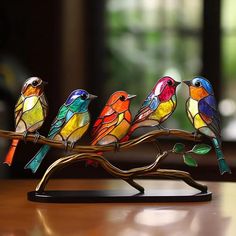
(152, 170)
(92, 196)
(114, 196)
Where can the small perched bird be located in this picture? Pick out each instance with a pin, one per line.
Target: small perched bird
(203, 114)
(158, 106)
(71, 122)
(30, 111)
(114, 121)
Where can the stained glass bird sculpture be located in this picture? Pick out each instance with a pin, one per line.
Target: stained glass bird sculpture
(203, 114)
(158, 106)
(30, 111)
(114, 121)
(71, 122)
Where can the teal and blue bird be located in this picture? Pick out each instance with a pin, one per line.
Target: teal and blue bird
(203, 113)
(71, 122)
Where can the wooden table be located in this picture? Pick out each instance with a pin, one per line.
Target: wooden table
(18, 216)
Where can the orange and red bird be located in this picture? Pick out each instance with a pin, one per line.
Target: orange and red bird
(114, 121)
(30, 111)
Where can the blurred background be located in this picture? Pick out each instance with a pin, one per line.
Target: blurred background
(104, 46)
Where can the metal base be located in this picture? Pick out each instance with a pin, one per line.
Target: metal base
(113, 196)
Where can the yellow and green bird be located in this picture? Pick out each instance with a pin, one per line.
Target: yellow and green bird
(30, 111)
(71, 122)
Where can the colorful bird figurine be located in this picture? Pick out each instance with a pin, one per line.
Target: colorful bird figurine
(203, 114)
(158, 106)
(30, 111)
(114, 121)
(71, 122)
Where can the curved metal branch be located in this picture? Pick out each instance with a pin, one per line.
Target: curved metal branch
(114, 171)
(148, 137)
(127, 175)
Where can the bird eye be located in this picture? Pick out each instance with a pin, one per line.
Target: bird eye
(84, 96)
(122, 98)
(35, 83)
(169, 82)
(197, 84)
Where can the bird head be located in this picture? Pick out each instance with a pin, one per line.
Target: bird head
(120, 101)
(80, 98)
(199, 88)
(165, 88)
(33, 86)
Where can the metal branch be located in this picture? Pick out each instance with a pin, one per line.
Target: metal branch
(127, 175)
(148, 137)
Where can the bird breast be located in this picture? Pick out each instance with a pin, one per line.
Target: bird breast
(163, 110)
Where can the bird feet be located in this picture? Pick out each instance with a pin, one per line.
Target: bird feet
(69, 145)
(162, 127)
(72, 145)
(195, 134)
(25, 136)
(36, 136)
(116, 147)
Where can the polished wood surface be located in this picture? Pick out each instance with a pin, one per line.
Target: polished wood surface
(18, 216)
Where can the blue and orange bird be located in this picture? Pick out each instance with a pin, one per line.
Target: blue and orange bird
(70, 124)
(203, 114)
(30, 111)
(158, 106)
(114, 121)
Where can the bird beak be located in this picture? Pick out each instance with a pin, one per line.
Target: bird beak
(177, 83)
(130, 96)
(91, 96)
(187, 82)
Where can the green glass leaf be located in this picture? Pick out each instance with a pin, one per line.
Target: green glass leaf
(179, 148)
(188, 160)
(201, 149)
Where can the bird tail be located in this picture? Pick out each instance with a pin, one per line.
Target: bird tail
(92, 163)
(223, 166)
(11, 152)
(35, 162)
(135, 126)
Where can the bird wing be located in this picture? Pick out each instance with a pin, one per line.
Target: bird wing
(105, 124)
(44, 104)
(107, 115)
(59, 121)
(209, 113)
(149, 105)
(19, 109)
